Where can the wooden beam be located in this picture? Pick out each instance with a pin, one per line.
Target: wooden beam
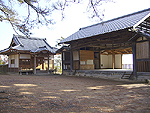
(107, 37)
(117, 43)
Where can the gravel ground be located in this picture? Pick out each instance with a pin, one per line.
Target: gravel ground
(47, 94)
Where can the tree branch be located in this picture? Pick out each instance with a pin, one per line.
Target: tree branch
(7, 17)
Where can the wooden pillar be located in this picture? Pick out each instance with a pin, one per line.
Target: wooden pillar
(149, 50)
(79, 58)
(121, 61)
(14, 63)
(53, 64)
(134, 59)
(18, 62)
(113, 60)
(43, 63)
(71, 60)
(48, 64)
(31, 62)
(99, 60)
(34, 64)
(62, 57)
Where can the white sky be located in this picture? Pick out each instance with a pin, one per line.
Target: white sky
(75, 18)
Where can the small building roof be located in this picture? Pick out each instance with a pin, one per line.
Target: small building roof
(32, 45)
(120, 23)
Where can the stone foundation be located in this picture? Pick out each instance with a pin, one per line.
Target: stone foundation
(114, 75)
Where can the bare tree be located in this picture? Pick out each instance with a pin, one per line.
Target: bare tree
(93, 7)
(8, 13)
(43, 13)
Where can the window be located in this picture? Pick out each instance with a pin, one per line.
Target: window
(12, 61)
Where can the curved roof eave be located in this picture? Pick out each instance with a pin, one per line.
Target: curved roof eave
(120, 23)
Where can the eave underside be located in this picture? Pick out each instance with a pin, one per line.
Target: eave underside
(119, 42)
(145, 26)
(13, 51)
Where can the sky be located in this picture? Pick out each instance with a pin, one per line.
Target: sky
(75, 18)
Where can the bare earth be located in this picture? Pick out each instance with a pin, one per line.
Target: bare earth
(47, 94)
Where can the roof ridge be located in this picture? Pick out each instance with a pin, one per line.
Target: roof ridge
(36, 38)
(115, 18)
(25, 37)
(47, 43)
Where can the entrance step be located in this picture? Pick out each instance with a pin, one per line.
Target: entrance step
(41, 71)
(127, 75)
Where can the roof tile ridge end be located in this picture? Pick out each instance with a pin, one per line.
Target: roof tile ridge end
(18, 40)
(15, 38)
(47, 43)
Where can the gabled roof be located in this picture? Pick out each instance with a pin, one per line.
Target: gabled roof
(127, 21)
(63, 48)
(33, 45)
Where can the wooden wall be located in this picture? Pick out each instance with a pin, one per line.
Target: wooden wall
(86, 59)
(16, 61)
(3, 68)
(76, 65)
(143, 66)
(143, 56)
(25, 63)
(142, 50)
(86, 55)
(15, 70)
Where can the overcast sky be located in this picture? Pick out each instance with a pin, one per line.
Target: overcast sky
(75, 18)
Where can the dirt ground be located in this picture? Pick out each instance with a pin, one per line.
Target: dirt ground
(47, 94)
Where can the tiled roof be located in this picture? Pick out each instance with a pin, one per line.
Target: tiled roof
(31, 44)
(116, 24)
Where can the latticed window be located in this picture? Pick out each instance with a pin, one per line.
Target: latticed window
(12, 61)
(24, 63)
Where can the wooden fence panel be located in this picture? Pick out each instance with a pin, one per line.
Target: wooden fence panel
(76, 65)
(143, 66)
(142, 50)
(3, 68)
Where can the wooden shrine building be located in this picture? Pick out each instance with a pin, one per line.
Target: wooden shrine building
(101, 46)
(29, 54)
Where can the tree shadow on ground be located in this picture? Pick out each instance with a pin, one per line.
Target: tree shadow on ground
(71, 94)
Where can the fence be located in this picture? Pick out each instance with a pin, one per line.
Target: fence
(3, 68)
